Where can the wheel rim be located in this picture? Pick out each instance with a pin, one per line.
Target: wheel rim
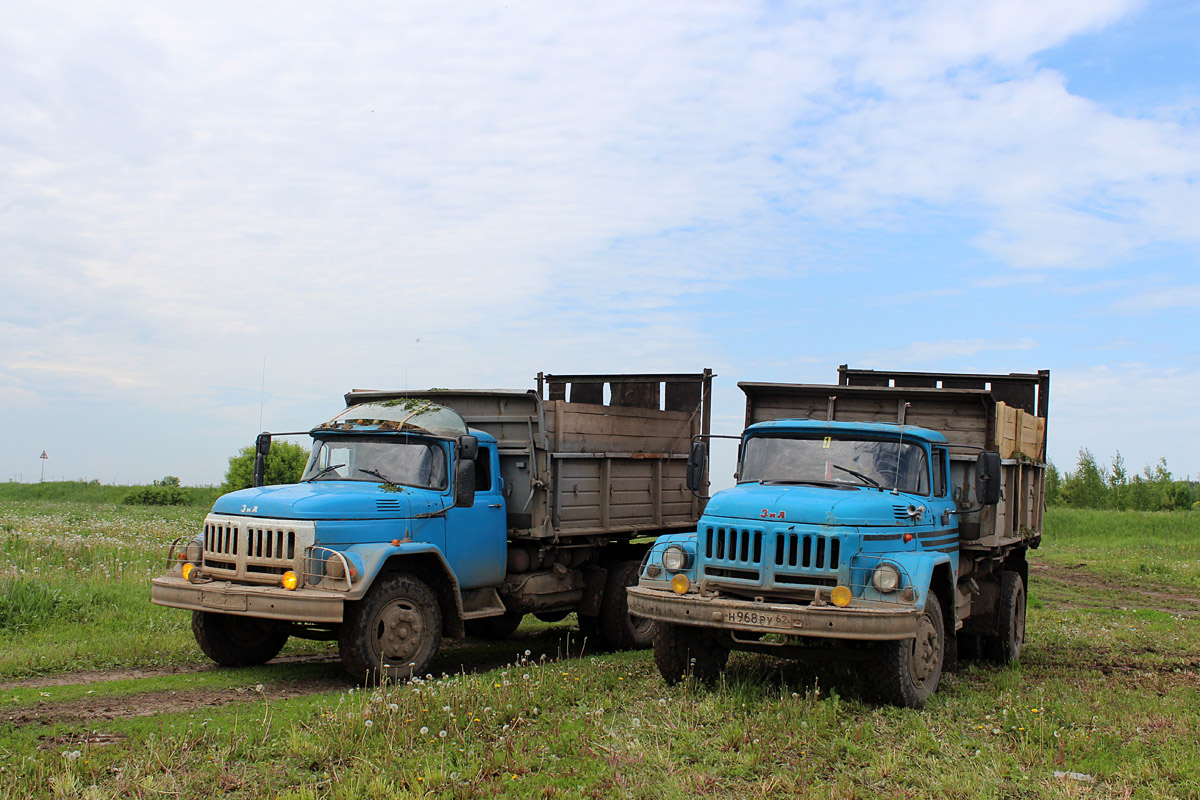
(398, 633)
(926, 656)
(640, 625)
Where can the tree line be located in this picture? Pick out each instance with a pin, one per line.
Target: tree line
(1094, 485)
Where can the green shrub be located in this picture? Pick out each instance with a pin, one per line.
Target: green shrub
(156, 496)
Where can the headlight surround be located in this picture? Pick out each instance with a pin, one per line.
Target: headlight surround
(675, 558)
(886, 578)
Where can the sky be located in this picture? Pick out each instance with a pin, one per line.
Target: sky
(218, 218)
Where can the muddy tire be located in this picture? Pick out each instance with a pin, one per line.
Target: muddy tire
(618, 630)
(233, 641)
(1005, 647)
(682, 652)
(500, 627)
(907, 672)
(393, 633)
(589, 632)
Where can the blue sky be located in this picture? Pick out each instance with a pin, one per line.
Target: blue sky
(424, 195)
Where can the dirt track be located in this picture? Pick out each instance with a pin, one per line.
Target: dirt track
(1100, 593)
(1108, 594)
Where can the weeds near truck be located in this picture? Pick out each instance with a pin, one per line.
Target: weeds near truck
(1108, 689)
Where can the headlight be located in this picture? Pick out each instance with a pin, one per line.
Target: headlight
(290, 580)
(674, 558)
(886, 578)
(194, 552)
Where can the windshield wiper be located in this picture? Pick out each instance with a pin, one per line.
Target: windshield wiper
(782, 482)
(324, 471)
(379, 475)
(857, 475)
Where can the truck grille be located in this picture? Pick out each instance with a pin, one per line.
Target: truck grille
(785, 558)
(253, 549)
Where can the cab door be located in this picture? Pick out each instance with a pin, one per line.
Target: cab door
(945, 538)
(477, 537)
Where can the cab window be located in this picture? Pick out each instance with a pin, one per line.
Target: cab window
(939, 472)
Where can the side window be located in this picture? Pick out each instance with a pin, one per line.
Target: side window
(939, 472)
(483, 470)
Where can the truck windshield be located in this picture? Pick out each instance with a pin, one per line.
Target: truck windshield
(834, 460)
(406, 461)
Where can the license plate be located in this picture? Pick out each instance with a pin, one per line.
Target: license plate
(763, 619)
(233, 602)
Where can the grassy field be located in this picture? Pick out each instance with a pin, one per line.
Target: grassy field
(104, 695)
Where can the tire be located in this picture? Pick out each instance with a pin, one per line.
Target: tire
(683, 651)
(393, 633)
(618, 630)
(234, 641)
(1005, 647)
(907, 672)
(500, 627)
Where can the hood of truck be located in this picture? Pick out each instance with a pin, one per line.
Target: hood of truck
(813, 505)
(330, 500)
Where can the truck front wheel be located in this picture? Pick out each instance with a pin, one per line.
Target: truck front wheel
(233, 641)
(1005, 647)
(682, 652)
(907, 672)
(393, 633)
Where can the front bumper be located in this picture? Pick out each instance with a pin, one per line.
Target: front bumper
(875, 623)
(269, 602)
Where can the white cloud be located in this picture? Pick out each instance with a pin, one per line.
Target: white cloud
(186, 190)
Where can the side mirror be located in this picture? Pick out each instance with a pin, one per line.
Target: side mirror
(468, 447)
(696, 463)
(464, 483)
(987, 478)
(262, 446)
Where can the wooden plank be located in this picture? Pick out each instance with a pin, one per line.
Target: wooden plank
(636, 395)
(587, 393)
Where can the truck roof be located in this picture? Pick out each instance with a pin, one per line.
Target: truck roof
(819, 427)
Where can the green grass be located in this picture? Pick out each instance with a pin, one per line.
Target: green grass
(1109, 691)
(1139, 548)
(92, 492)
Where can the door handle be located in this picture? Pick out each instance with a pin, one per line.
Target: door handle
(494, 505)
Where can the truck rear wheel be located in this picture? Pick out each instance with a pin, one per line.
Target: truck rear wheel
(234, 641)
(683, 651)
(907, 672)
(393, 633)
(1005, 647)
(619, 630)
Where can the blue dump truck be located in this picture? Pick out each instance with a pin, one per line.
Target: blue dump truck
(882, 521)
(449, 513)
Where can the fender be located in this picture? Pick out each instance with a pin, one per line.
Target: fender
(373, 558)
(920, 568)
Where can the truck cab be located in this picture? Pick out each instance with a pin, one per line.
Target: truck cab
(386, 483)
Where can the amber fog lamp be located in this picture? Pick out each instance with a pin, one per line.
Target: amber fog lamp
(840, 596)
(680, 584)
(188, 569)
(290, 580)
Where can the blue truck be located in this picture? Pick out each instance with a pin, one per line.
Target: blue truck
(423, 514)
(884, 520)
